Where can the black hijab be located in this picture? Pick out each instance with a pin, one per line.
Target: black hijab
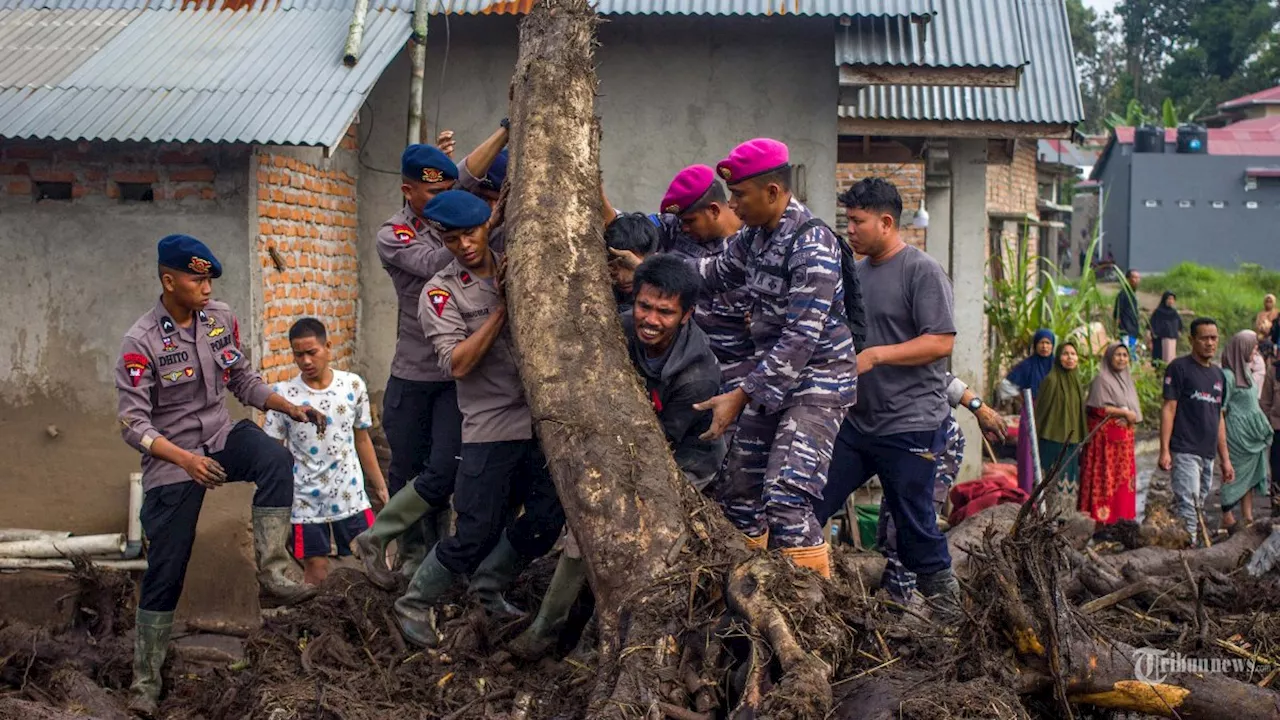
(1165, 321)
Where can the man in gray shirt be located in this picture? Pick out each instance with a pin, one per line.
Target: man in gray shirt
(897, 429)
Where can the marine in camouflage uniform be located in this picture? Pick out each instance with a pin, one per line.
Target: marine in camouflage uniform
(805, 378)
(723, 317)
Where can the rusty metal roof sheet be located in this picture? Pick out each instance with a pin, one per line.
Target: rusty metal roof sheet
(207, 76)
(1048, 91)
(984, 34)
(867, 8)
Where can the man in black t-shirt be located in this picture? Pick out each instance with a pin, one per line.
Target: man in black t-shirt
(1191, 424)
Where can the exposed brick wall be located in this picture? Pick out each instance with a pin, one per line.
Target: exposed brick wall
(1011, 182)
(908, 177)
(185, 173)
(307, 222)
(1011, 188)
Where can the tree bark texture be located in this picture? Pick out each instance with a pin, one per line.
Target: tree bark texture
(632, 513)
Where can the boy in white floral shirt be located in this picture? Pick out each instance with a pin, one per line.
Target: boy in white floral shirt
(330, 506)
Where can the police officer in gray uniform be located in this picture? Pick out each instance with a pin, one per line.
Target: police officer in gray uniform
(176, 365)
(463, 313)
(420, 409)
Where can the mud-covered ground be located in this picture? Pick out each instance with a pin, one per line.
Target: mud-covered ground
(340, 657)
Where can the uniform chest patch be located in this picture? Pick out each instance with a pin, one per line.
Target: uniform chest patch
(135, 364)
(439, 298)
(169, 344)
(403, 233)
(214, 328)
(231, 356)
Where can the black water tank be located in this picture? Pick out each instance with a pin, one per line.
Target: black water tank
(1148, 139)
(1193, 139)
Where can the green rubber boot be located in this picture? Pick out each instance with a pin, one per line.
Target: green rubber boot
(541, 637)
(496, 573)
(149, 649)
(271, 530)
(414, 612)
(399, 515)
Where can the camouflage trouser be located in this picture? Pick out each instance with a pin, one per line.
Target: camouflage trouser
(776, 469)
(897, 579)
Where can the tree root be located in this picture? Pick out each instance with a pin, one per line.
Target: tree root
(804, 690)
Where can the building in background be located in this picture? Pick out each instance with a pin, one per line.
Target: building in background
(1212, 198)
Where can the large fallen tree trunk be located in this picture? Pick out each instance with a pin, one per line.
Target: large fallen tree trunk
(643, 531)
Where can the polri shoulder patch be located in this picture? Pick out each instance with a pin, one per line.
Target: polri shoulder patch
(439, 298)
(135, 364)
(403, 233)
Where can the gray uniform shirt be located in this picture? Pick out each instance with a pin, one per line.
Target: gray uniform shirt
(454, 305)
(907, 296)
(407, 247)
(172, 381)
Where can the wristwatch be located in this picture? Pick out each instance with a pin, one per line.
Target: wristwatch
(974, 404)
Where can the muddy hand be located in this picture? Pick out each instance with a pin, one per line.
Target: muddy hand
(206, 471)
(625, 259)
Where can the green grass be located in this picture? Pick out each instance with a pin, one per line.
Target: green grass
(1231, 298)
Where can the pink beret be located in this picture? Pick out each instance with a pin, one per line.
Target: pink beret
(752, 158)
(688, 187)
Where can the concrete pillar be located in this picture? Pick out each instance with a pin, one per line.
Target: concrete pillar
(937, 200)
(968, 266)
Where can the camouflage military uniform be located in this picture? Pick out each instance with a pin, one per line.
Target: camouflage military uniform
(804, 381)
(722, 316)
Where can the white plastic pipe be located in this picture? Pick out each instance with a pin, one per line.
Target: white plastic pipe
(11, 534)
(52, 564)
(355, 33)
(63, 547)
(134, 536)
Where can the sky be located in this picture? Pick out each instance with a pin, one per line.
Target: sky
(1101, 5)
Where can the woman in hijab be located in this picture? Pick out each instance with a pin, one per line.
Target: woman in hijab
(1031, 371)
(1166, 326)
(1263, 321)
(1249, 433)
(1108, 469)
(1060, 425)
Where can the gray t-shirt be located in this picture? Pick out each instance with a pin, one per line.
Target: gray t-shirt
(907, 296)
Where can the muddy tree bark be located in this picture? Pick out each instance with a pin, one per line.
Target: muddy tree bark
(632, 513)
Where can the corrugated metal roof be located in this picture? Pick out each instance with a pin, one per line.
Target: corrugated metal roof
(986, 35)
(1048, 91)
(834, 8)
(207, 76)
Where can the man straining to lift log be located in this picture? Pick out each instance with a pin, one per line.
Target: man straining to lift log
(789, 407)
(694, 222)
(420, 409)
(464, 315)
(177, 363)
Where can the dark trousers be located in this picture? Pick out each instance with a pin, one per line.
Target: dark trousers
(170, 512)
(493, 477)
(1275, 476)
(906, 464)
(424, 429)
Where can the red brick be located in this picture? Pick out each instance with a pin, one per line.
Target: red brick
(14, 168)
(199, 174)
(18, 187)
(208, 193)
(181, 158)
(183, 193)
(28, 151)
(135, 176)
(57, 176)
